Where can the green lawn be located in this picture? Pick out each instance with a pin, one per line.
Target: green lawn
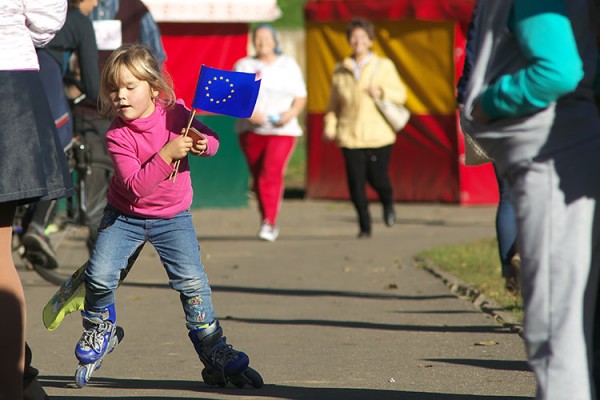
(477, 265)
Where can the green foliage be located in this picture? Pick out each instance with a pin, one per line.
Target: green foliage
(477, 264)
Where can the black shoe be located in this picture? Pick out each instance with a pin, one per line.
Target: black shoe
(389, 216)
(38, 250)
(34, 391)
(364, 235)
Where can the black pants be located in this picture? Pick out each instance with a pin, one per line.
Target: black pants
(368, 165)
(32, 390)
(38, 215)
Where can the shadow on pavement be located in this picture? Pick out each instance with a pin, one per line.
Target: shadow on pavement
(299, 292)
(441, 312)
(371, 325)
(506, 365)
(270, 391)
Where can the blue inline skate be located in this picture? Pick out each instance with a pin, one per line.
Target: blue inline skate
(222, 363)
(99, 338)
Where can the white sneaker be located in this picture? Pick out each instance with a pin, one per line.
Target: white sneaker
(268, 232)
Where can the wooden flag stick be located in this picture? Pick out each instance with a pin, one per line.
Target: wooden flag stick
(173, 175)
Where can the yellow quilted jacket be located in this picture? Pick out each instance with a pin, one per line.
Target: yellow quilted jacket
(352, 118)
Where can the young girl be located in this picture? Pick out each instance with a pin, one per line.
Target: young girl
(147, 202)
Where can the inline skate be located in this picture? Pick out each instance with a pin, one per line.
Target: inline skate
(222, 363)
(99, 338)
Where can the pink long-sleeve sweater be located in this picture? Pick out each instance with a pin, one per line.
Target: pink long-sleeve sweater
(141, 185)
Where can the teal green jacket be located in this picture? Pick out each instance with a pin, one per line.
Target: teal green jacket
(546, 38)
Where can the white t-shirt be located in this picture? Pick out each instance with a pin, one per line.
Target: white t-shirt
(281, 83)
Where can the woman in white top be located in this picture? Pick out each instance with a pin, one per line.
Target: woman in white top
(32, 164)
(268, 137)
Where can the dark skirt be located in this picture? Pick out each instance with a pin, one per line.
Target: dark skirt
(32, 163)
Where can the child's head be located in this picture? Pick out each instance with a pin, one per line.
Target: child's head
(132, 74)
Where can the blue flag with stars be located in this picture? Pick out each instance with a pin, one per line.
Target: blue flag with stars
(226, 92)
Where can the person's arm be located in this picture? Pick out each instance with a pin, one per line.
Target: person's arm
(544, 34)
(461, 86)
(44, 18)
(298, 87)
(150, 36)
(298, 105)
(140, 179)
(87, 55)
(331, 114)
(394, 89)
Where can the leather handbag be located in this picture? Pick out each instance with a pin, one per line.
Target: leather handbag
(395, 114)
(474, 154)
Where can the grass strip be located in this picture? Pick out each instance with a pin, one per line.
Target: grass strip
(476, 264)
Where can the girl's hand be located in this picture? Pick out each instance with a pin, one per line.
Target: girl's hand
(200, 145)
(176, 149)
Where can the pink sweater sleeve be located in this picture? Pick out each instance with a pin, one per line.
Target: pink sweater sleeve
(140, 179)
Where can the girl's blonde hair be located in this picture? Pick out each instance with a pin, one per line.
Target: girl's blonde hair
(143, 65)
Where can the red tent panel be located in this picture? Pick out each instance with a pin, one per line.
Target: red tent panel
(189, 45)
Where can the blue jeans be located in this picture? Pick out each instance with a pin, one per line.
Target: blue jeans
(174, 239)
(506, 227)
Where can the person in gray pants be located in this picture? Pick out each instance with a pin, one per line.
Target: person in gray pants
(529, 103)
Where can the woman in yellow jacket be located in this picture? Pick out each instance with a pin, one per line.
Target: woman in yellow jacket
(353, 121)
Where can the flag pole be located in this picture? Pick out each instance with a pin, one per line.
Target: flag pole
(173, 175)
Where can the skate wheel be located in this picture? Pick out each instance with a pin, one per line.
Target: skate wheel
(81, 376)
(253, 377)
(213, 377)
(249, 376)
(119, 333)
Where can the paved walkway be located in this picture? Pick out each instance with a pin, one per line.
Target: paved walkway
(323, 315)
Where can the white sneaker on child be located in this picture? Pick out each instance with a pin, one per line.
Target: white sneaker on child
(268, 232)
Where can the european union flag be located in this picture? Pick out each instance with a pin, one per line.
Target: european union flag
(226, 92)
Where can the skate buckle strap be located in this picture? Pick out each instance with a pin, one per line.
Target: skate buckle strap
(94, 337)
(222, 355)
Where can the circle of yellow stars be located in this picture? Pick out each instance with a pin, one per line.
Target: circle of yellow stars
(215, 79)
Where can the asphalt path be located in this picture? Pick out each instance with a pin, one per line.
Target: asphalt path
(322, 314)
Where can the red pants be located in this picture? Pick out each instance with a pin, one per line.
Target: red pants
(267, 157)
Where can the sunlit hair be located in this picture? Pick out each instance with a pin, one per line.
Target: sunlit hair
(143, 65)
(362, 23)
